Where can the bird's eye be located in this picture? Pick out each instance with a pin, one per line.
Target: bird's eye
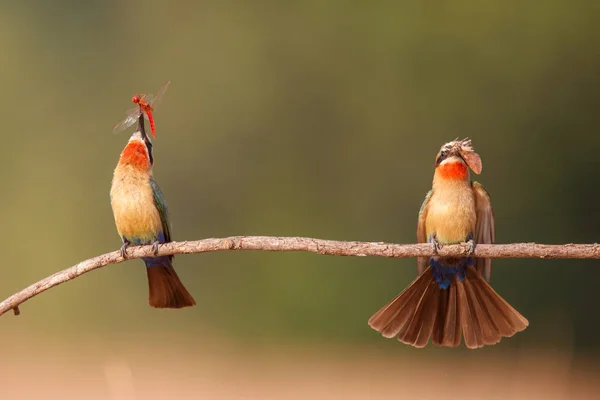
(442, 156)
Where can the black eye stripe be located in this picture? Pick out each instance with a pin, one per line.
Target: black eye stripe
(443, 155)
(149, 147)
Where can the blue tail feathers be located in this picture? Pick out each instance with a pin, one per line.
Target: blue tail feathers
(162, 261)
(444, 275)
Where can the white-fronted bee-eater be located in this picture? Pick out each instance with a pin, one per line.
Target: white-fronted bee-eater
(451, 298)
(141, 217)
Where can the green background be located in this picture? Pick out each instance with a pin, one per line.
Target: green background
(313, 118)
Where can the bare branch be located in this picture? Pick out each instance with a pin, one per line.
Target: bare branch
(319, 246)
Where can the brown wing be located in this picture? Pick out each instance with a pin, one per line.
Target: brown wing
(484, 227)
(422, 233)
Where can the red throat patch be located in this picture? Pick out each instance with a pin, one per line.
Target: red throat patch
(135, 154)
(453, 170)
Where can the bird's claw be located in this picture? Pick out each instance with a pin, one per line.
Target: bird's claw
(124, 249)
(155, 247)
(472, 246)
(435, 244)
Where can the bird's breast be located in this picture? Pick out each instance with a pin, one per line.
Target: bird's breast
(132, 201)
(451, 214)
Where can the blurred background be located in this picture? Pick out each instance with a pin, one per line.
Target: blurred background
(315, 118)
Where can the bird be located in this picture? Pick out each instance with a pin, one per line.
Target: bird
(141, 218)
(451, 297)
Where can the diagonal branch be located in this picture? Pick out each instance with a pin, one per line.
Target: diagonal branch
(318, 246)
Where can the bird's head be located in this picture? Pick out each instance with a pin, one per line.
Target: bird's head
(138, 152)
(454, 160)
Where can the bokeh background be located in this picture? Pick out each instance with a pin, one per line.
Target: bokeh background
(316, 118)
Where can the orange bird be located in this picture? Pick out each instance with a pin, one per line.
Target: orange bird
(451, 297)
(146, 105)
(141, 217)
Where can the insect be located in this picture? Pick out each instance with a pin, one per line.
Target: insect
(146, 104)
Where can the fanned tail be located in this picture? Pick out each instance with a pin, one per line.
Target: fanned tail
(166, 290)
(395, 315)
(468, 307)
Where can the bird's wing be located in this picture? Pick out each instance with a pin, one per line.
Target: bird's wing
(422, 233)
(484, 226)
(161, 206)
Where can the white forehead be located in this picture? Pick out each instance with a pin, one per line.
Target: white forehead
(137, 135)
(452, 159)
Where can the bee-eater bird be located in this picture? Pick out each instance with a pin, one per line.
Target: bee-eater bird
(141, 217)
(451, 298)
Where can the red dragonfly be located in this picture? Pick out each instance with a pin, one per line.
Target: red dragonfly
(146, 104)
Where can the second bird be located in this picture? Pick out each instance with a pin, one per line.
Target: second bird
(141, 217)
(450, 298)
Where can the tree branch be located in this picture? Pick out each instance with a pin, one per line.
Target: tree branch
(318, 246)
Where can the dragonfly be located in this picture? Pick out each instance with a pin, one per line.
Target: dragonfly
(145, 105)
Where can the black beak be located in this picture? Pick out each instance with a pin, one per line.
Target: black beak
(141, 126)
(147, 141)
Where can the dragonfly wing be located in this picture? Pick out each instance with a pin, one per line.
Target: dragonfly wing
(126, 123)
(132, 117)
(159, 95)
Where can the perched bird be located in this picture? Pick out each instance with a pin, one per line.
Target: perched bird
(451, 298)
(141, 217)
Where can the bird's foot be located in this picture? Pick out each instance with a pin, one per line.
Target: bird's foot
(155, 247)
(472, 246)
(436, 245)
(124, 249)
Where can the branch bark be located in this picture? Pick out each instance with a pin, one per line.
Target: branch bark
(318, 246)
